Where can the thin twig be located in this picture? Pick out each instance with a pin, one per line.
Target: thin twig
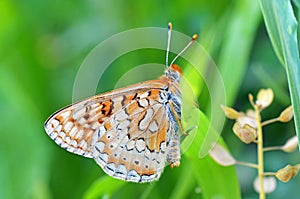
(260, 153)
(269, 174)
(247, 164)
(269, 121)
(272, 148)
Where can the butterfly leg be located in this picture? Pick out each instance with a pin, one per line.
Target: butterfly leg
(173, 154)
(178, 120)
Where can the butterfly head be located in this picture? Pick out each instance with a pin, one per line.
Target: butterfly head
(173, 72)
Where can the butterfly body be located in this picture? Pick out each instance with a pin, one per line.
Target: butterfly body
(131, 132)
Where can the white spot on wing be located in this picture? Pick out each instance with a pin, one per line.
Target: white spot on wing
(124, 124)
(79, 113)
(73, 143)
(153, 127)
(54, 122)
(130, 145)
(140, 145)
(145, 121)
(58, 129)
(67, 140)
(62, 134)
(121, 172)
(143, 102)
(83, 145)
(143, 95)
(133, 176)
(102, 131)
(110, 168)
(68, 126)
(53, 135)
(99, 146)
(103, 158)
(163, 146)
(146, 178)
(121, 116)
(58, 141)
(65, 114)
(64, 145)
(73, 131)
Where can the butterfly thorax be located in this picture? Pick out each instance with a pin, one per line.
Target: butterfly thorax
(173, 73)
(171, 97)
(172, 79)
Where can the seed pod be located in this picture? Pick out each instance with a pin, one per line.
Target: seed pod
(230, 112)
(287, 173)
(246, 133)
(248, 118)
(286, 115)
(221, 155)
(264, 98)
(290, 145)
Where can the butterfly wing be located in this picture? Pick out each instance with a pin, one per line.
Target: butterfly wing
(127, 123)
(133, 148)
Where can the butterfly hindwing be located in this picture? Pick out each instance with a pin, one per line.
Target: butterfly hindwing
(133, 147)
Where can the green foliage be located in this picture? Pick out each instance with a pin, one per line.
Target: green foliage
(43, 43)
(282, 28)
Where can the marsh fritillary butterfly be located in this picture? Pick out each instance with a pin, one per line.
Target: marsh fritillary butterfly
(130, 132)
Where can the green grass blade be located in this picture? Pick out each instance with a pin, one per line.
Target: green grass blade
(282, 28)
(238, 40)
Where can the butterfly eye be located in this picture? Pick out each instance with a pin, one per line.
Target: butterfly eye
(176, 68)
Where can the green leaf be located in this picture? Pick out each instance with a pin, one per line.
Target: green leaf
(185, 183)
(104, 186)
(282, 28)
(238, 41)
(214, 180)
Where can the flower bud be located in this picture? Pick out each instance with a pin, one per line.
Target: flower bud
(264, 98)
(287, 173)
(290, 145)
(230, 112)
(286, 115)
(250, 97)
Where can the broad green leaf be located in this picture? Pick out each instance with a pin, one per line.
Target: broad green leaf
(104, 186)
(282, 28)
(214, 180)
(185, 184)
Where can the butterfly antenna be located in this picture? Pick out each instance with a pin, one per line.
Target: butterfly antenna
(194, 37)
(169, 41)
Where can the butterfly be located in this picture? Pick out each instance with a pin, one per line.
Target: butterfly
(130, 132)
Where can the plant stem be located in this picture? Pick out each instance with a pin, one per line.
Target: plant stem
(260, 153)
(247, 164)
(272, 148)
(270, 121)
(269, 174)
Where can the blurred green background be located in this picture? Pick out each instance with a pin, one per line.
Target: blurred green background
(43, 43)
